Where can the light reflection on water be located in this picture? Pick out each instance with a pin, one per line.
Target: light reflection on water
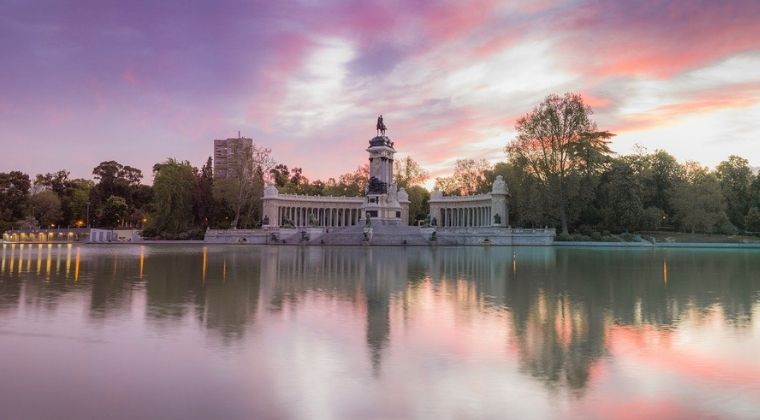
(285, 332)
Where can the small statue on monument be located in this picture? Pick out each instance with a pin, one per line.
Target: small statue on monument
(380, 126)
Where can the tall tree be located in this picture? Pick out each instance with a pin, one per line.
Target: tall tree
(736, 178)
(245, 180)
(114, 212)
(407, 172)
(698, 202)
(76, 202)
(45, 206)
(14, 190)
(173, 186)
(622, 210)
(58, 182)
(419, 208)
(752, 220)
(280, 175)
(661, 174)
(551, 141)
(203, 194)
(470, 177)
(121, 181)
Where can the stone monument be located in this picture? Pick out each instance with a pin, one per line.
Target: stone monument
(383, 203)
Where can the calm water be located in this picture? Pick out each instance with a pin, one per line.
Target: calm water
(192, 332)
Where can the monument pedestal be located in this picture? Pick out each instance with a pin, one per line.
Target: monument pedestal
(384, 203)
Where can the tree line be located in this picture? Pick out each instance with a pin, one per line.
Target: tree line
(559, 168)
(561, 172)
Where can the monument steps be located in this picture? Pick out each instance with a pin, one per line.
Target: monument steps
(381, 235)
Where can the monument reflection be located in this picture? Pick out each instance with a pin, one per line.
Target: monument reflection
(562, 317)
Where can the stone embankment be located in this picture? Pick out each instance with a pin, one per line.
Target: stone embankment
(388, 235)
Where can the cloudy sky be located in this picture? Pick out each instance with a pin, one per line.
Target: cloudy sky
(140, 81)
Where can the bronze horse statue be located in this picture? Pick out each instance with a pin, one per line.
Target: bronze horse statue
(380, 126)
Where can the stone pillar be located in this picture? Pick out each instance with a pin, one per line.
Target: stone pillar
(403, 200)
(499, 194)
(271, 205)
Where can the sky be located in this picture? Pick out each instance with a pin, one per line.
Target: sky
(141, 81)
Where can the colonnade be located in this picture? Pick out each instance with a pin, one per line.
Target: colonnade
(303, 216)
(465, 216)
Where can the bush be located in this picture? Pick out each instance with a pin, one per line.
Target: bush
(728, 228)
(606, 233)
(627, 237)
(652, 218)
(581, 238)
(563, 237)
(725, 226)
(585, 230)
(149, 232)
(752, 220)
(610, 238)
(596, 236)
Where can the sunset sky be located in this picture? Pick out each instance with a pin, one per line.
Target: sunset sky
(140, 81)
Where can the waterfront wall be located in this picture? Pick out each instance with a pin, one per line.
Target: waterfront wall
(53, 235)
(383, 235)
(644, 244)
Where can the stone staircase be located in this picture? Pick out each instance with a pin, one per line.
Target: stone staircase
(381, 235)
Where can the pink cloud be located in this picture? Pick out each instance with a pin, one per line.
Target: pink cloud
(651, 38)
(130, 76)
(735, 97)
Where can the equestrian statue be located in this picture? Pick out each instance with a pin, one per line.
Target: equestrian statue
(380, 126)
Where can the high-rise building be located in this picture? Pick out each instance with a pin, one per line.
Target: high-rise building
(232, 157)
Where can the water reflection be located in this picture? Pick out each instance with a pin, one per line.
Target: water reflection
(567, 319)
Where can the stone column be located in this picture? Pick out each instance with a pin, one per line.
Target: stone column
(499, 194)
(270, 205)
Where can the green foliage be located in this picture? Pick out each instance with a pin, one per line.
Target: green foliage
(408, 173)
(75, 200)
(173, 187)
(736, 179)
(14, 190)
(280, 175)
(555, 140)
(114, 212)
(45, 207)
(203, 195)
(752, 220)
(622, 197)
(418, 203)
(627, 237)
(563, 237)
(724, 225)
(652, 218)
(115, 179)
(470, 177)
(698, 202)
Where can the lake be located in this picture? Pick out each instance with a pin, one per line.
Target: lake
(241, 332)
